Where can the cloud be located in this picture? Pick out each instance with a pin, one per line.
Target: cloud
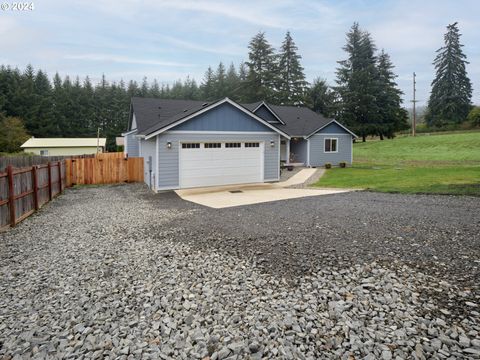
(228, 50)
(124, 60)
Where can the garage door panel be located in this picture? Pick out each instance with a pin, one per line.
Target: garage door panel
(220, 166)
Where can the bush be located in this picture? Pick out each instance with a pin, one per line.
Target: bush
(343, 164)
(474, 116)
(328, 166)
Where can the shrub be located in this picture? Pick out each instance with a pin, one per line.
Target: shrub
(343, 164)
(474, 116)
(328, 166)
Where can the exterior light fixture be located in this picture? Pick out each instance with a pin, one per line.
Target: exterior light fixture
(169, 145)
(272, 143)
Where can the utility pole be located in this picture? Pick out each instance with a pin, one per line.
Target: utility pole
(414, 101)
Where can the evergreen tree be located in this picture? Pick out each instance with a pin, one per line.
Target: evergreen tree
(321, 98)
(393, 117)
(232, 83)
(132, 89)
(190, 89)
(44, 123)
(220, 84)
(155, 89)
(208, 85)
(242, 88)
(357, 80)
(450, 99)
(144, 90)
(292, 86)
(262, 66)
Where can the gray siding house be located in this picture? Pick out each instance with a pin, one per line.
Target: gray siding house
(188, 144)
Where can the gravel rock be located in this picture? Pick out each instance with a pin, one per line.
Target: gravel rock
(121, 273)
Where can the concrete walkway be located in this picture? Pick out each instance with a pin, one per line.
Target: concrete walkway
(237, 195)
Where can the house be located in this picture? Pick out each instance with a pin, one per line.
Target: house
(64, 146)
(189, 144)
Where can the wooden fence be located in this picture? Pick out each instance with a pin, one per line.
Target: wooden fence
(20, 161)
(110, 155)
(103, 170)
(25, 190)
(22, 191)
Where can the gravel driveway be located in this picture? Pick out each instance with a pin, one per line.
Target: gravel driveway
(118, 272)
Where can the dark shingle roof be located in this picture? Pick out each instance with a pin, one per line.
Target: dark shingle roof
(154, 114)
(299, 121)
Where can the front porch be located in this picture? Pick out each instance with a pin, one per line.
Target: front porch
(294, 152)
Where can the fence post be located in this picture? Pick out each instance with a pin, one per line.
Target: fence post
(35, 186)
(11, 195)
(49, 181)
(59, 177)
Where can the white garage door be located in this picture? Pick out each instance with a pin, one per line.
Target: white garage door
(220, 163)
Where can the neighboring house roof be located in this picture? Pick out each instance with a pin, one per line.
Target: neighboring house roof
(120, 141)
(153, 115)
(63, 142)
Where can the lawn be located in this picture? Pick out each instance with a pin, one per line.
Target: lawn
(435, 164)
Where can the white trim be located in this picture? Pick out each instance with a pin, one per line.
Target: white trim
(270, 180)
(336, 146)
(129, 132)
(308, 152)
(167, 188)
(279, 154)
(140, 148)
(262, 160)
(179, 144)
(351, 151)
(288, 151)
(333, 121)
(329, 134)
(206, 132)
(212, 106)
(157, 158)
(125, 146)
(269, 109)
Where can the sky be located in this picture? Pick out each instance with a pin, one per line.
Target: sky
(172, 39)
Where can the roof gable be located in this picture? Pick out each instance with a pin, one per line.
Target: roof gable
(63, 142)
(266, 113)
(224, 117)
(189, 114)
(332, 127)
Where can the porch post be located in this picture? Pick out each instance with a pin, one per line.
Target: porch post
(288, 151)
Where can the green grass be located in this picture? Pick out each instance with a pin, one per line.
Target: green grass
(436, 164)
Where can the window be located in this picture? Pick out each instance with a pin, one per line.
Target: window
(233, 145)
(250, 145)
(190, 146)
(331, 145)
(44, 152)
(212, 145)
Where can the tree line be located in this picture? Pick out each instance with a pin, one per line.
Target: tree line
(365, 96)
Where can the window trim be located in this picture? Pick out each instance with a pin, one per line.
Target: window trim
(206, 145)
(233, 147)
(325, 143)
(185, 145)
(43, 152)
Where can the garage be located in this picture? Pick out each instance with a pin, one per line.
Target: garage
(220, 163)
